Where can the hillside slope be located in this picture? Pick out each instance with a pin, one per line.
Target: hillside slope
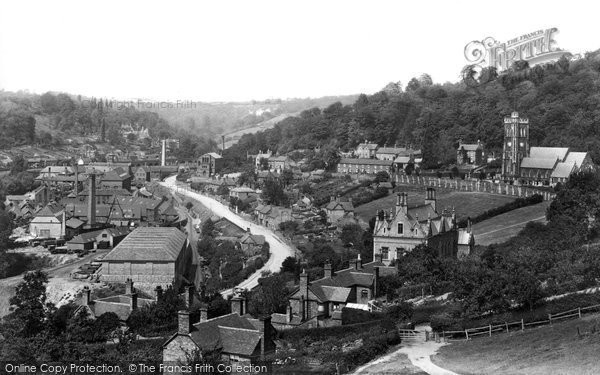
(556, 349)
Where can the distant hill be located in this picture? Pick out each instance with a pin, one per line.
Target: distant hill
(560, 99)
(217, 119)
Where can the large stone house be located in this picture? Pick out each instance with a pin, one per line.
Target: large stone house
(319, 303)
(338, 209)
(402, 229)
(238, 336)
(366, 150)
(470, 154)
(150, 256)
(117, 178)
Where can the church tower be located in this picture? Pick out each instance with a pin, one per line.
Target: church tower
(516, 146)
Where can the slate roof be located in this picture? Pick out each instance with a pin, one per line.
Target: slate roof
(337, 205)
(390, 150)
(282, 319)
(326, 293)
(423, 212)
(402, 159)
(370, 146)
(387, 163)
(91, 236)
(120, 305)
(536, 163)
(74, 223)
(563, 170)
(253, 238)
(576, 157)
(213, 155)
(548, 152)
(149, 244)
(213, 333)
(239, 341)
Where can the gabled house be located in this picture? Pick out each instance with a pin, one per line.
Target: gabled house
(251, 244)
(238, 336)
(319, 303)
(338, 209)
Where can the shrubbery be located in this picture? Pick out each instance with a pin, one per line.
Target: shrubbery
(517, 203)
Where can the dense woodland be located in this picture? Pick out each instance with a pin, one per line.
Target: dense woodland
(561, 100)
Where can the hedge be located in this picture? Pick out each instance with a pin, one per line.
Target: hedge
(517, 203)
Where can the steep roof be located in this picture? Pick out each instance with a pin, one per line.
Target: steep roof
(213, 155)
(576, 157)
(536, 163)
(390, 150)
(149, 244)
(221, 332)
(337, 205)
(370, 146)
(548, 152)
(563, 170)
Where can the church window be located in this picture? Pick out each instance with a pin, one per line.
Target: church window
(400, 228)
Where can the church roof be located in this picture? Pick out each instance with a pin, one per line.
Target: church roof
(548, 153)
(576, 157)
(537, 163)
(563, 170)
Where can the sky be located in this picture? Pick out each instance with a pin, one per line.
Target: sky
(260, 49)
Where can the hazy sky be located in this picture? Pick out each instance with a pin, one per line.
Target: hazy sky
(242, 50)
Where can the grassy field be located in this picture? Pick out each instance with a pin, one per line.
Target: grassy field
(557, 349)
(500, 228)
(466, 204)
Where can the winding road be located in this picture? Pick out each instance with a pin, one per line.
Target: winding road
(279, 249)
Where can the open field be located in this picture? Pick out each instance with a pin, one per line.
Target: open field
(556, 349)
(502, 227)
(466, 204)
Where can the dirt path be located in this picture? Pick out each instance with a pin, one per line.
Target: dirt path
(279, 249)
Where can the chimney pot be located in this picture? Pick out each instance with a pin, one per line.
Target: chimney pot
(328, 273)
(87, 298)
(129, 286)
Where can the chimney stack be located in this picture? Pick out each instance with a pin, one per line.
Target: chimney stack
(289, 314)
(375, 282)
(430, 198)
(304, 283)
(358, 264)
(92, 199)
(189, 295)
(327, 270)
(238, 305)
(163, 156)
(265, 329)
(128, 286)
(158, 291)
(184, 322)
(87, 298)
(203, 314)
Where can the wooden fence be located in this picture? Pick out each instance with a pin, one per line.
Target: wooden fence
(475, 186)
(521, 325)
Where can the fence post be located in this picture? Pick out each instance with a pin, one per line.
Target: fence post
(467, 334)
(522, 325)
(550, 318)
(579, 312)
(490, 330)
(506, 326)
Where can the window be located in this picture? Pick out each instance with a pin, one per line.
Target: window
(400, 228)
(364, 293)
(385, 253)
(104, 235)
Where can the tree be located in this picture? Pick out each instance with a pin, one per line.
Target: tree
(381, 176)
(270, 296)
(273, 192)
(19, 165)
(287, 176)
(29, 304)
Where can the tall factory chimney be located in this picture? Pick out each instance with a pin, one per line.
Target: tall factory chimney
(163, 156)
(223, 142)
(91, 216)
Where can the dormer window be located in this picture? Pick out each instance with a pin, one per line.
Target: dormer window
(400, 228)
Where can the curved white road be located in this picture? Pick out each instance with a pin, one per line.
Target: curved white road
(279, 249)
